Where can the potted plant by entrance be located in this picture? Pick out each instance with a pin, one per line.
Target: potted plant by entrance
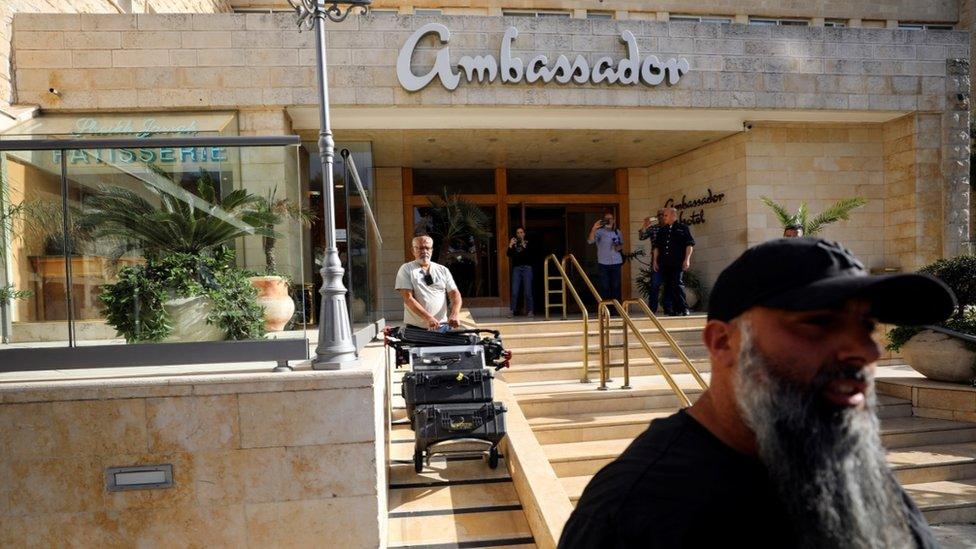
(272, 287)
(459, 227)
(949, 355)
(189, 287)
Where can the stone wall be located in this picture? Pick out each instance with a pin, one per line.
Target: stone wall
(10, 7)
(790, 163)
(251, 60)
(259, 460)
(719, 166)
(389, 213)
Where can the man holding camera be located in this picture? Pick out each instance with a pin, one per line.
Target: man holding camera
(609, 244)
(648, 231)
(521, 258)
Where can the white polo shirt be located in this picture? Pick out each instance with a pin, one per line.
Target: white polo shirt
(432, 298)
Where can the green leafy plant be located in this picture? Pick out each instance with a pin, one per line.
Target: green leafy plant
(959, 273)
(184, 240)
(459, 227)
(277, 210)
(837, 211)
(135, 304)
(692, 280)
(187, 223)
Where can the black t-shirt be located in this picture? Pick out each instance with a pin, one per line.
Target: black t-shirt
(520, 255)
(677, 485)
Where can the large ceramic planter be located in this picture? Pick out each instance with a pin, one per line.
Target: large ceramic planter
(188, 316)
(940, 357)
(274, 299)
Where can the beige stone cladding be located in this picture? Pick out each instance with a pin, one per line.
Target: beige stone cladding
(389, 214)
(259, 460)
(254, 60)
(791, 163)
(721, 167)
(10, 7)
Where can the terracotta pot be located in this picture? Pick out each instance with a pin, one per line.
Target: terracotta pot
(274, 299)
(189, 318)
(940, 357)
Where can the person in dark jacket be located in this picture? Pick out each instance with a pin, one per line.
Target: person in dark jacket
(783, 450)
(648, 231)
(521, 257)
(673, 247)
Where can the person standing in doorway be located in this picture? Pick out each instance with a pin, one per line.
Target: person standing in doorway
(520, 255)
(673, 247)
(609, 244)
(425, 287)
(649, 231)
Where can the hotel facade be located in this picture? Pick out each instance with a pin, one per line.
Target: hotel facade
(547, 115)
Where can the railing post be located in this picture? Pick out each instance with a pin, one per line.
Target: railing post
(623, 327)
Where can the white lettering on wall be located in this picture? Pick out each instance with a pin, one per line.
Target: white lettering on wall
(512, 70)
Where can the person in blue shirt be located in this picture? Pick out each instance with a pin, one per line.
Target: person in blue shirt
(609, 243)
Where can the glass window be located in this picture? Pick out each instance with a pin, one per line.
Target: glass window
(433, 182)
(780, 22)
(923, 26)
(530, 13)
(467, 248)
(383, 12)
(418, 11)
(599, 15)
(561, 182)
(701, 18)
(835, 23)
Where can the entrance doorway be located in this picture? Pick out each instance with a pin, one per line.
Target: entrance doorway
(559, 230)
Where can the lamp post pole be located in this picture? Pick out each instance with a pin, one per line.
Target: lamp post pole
(335, 346)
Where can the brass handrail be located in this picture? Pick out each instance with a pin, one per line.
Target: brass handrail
(603, 312)
(570, 258)
(546, 278)
(667, 337)
(629, 323)
(579, 302)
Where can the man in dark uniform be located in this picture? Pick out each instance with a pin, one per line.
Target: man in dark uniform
(673, 247)
(784, 449)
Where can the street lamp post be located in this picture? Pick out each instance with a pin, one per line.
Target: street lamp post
(336, 347)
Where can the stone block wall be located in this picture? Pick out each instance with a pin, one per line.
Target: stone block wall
(719, 166)
(10, 7)
(259, 460)
(389, 213)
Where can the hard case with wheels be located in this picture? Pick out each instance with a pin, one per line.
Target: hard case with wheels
(446, 387)
(479, 424)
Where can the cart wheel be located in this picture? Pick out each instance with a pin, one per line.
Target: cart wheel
(493, 458)
(418, 461)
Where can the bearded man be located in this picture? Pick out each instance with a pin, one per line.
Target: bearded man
(425, 287)
(784, 448)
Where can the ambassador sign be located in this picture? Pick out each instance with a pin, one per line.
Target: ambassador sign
(628, 71)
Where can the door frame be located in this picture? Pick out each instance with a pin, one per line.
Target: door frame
(620, 200)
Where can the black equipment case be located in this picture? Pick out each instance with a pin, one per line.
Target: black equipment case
(446, 387)
(476, 423)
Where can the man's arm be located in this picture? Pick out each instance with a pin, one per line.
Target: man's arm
(687, 262)
(654, 254)
(592, 237)
(411, 302)
(452, 316)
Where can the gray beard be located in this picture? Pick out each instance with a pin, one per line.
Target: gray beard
(828, 465)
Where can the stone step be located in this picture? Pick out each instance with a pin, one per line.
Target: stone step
(683, 335)
(565, 397)
(897, 432)
(567, 353)
(572, 370)
(540, 325)
(946, 501)
(911, 465)
(475, 529)
(428, 499)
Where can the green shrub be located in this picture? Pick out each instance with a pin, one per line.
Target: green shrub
(959, 273)
(134, 304)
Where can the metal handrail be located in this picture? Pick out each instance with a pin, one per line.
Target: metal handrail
(667, 337)
(570, 258)
(579, 302)
(629, 323)
(546, 278)
(603, 312)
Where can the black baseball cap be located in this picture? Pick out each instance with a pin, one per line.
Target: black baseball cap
(803, 274)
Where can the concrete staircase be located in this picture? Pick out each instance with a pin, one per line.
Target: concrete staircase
(455, 502)
(582, 429)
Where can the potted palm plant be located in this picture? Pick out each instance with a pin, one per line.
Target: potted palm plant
(272, 287)
(458, 226)
(812, 226)
(188, 288)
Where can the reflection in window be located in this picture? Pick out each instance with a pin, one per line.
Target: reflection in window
(561, 182)
(433, 182)
(464, 241)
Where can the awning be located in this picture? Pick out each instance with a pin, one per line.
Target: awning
(94, 125)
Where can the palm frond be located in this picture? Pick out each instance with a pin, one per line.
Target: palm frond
(785, 217)
(837, 211)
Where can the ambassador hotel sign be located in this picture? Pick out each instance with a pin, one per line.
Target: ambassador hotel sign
(631, 70)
